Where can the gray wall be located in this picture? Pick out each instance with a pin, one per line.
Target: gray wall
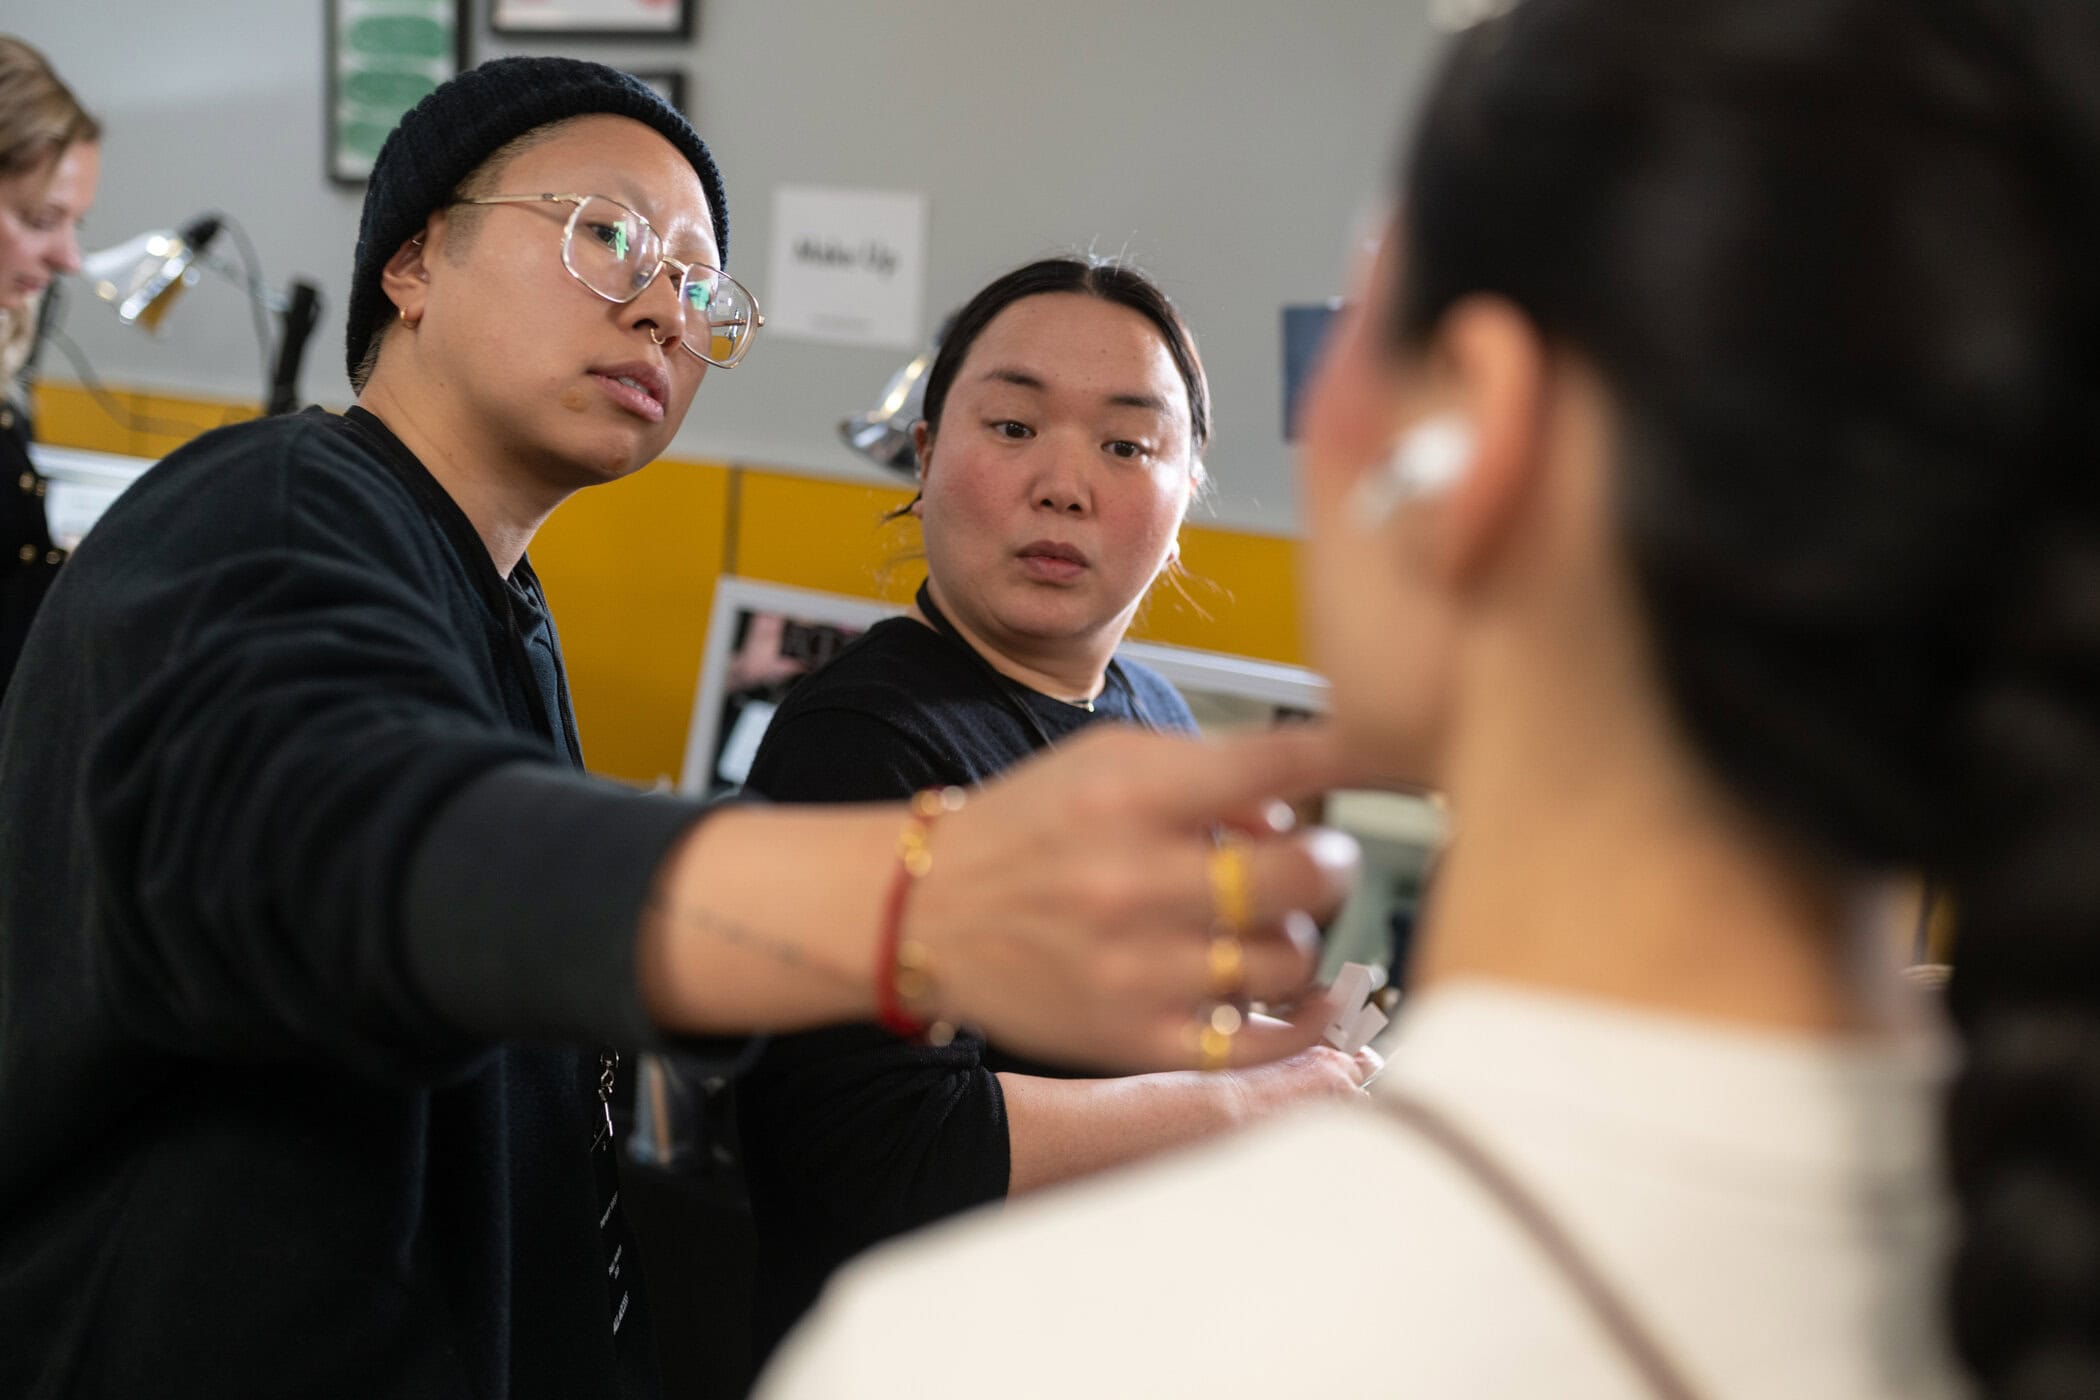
(1227, 145)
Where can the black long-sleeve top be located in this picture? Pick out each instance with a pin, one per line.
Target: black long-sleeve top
(852, 1135)
(308, 933)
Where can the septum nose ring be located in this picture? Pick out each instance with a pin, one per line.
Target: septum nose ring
(657, 338)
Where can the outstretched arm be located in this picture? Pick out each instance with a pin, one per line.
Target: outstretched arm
(1058, 1129)
(1067, 909)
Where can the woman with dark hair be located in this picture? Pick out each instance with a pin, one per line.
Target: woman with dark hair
(1065, 420)
(1703, 497)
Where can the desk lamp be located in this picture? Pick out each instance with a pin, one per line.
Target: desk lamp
(142, 277)
(883, 434)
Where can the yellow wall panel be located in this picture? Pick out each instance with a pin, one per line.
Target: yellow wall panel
(144, 424)
(68, 416)
(630, 570)
(1238, 594)
(161, 424)
(829, 535)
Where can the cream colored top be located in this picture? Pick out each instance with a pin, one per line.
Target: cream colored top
(1768, 1205)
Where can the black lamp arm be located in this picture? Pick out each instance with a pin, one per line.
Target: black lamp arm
(296, 320)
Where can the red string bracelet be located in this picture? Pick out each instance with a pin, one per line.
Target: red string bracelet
(904, 969)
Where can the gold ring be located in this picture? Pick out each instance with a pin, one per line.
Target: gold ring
(1231, 876)
(1214, 1033)
(1228, 965)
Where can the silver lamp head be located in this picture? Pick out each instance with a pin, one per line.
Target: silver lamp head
(142, 276)
(883, 434)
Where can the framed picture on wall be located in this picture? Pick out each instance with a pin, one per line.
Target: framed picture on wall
(594, 19)
(761, 639)
(668, 83)
(384, 56)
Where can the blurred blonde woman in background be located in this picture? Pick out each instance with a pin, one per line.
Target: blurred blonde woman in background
(50, 160)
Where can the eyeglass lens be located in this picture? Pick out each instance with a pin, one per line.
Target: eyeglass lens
(616, 253)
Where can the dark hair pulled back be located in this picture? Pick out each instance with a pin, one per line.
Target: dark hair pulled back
(1838, 262)
(1106, 280)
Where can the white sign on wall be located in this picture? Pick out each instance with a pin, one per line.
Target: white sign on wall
(849, 266)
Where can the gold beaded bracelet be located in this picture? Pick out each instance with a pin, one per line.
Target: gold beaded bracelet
(905, 983)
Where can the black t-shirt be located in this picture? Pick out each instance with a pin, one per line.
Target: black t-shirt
(852, 1135)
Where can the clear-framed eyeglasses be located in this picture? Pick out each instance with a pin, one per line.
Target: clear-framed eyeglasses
(618, 254)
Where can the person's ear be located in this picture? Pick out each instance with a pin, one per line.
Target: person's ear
(1425, 462)
(1492, 444)
(405, 277)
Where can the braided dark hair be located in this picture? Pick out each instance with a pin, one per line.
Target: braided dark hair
(1834, 260)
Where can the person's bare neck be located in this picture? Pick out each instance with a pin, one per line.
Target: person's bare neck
(1591, 856)
(505, 510)
(1069, 669)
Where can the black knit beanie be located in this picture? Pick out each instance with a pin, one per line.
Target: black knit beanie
(465, 121)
